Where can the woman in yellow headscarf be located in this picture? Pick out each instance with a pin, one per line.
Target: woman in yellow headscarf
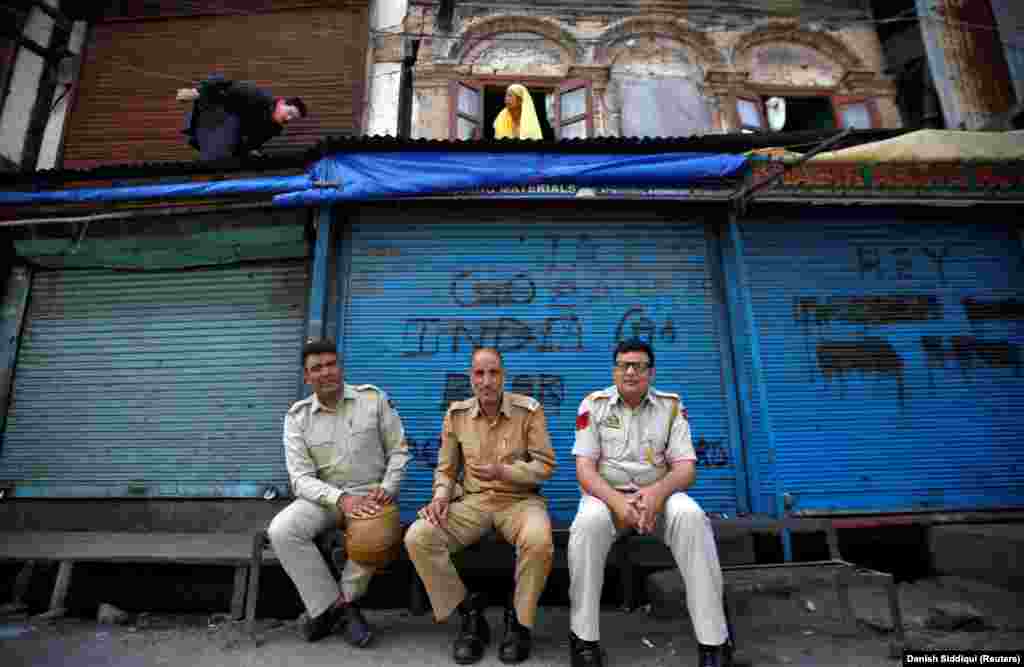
(518, 120)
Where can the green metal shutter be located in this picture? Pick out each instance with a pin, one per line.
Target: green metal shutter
(891, 348)
(164, 383)
(552, 286)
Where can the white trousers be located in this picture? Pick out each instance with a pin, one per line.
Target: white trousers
(292, 533)
(684, 528)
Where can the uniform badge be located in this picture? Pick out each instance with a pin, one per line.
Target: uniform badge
(649, 455)
(612, 421)
(582, 421)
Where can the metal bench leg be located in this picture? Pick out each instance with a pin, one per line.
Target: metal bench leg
(894, 608)
(418, 603)
(60, 589)
(253, 594)
(238, 593)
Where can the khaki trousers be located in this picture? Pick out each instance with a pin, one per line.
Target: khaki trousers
(684, 528)
(292, 533)
(523, 522)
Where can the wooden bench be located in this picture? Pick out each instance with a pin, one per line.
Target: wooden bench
(70, 547)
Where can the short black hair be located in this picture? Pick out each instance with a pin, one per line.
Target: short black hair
(318, 346)
(633, 345)
(298, 104)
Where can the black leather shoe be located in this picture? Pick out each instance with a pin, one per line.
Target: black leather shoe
(357, 630)
(315, 629)
(475, 634)
(585, 654)
(714, 656)
(516, 644)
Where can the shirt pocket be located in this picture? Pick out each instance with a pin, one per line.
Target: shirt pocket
(323, 452)
(365, 437)
(613, 442)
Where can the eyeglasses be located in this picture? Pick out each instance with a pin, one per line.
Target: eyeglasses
(638, 366)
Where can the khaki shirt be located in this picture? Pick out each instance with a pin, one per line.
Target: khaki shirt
(633, 447)
(517, 437)
(351, 450)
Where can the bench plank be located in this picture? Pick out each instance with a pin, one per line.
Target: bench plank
(110, 547)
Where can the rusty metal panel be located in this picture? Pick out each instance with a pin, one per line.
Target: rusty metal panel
(125, 109)
(967, 60)
(155, 383)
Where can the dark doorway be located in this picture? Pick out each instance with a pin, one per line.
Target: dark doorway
(494, 102)
(808, 113)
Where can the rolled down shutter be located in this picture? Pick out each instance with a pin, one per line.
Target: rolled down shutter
(126, 111)
(553, 289)
(164, 383)
(892, 357)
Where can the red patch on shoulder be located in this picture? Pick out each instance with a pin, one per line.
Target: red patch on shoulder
(582, 421)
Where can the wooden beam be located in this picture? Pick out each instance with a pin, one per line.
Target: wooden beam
(238, 595)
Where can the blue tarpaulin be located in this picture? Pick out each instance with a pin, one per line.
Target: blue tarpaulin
(382, 175)
(358, 176)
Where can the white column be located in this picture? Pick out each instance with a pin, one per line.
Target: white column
(58, 117)
(25, 80)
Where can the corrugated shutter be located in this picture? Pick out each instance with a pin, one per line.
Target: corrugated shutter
(552, 287)
(125, 109)
(158, 384)
(891, 352)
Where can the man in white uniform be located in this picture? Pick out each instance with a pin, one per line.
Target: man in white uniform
(346, 454)
(634, 460)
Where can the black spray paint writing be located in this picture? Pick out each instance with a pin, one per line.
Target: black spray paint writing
(969, 353)
(469, 289)
(549, 390)
(425, 451)
(898, 263)
(892, 309)
(635, 324)
(711, 453)
(998, 309)
(425, 337)
(868, 355)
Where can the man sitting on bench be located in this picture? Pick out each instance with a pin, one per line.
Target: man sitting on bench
(346, 453)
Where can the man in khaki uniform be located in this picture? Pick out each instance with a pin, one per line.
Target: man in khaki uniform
(634, 460)
(499, 442)
(346, 454)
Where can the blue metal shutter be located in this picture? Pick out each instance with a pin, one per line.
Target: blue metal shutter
(552, 287)
(891, 352)
(169, 383)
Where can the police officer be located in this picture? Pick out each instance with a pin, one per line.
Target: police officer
(346, 454)
(634, 460)
(499, 443)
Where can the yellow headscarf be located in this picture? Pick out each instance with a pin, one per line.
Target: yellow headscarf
(529, 126)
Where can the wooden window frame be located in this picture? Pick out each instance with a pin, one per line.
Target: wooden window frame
(838, 102)
(556, 87)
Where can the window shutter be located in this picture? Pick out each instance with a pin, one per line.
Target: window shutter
(859, 113)
(574, 110)
(467, 110)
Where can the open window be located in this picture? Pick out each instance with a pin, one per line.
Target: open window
(809, 112)
(565, 109)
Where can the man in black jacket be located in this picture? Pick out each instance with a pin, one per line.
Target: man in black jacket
(234, 118)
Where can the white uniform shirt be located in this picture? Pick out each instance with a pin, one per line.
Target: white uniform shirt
(633, 447)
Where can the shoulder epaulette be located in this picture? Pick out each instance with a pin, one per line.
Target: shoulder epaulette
(666, 394)
(297, 405)
(461, 405)
(521, 401)
(366, 387)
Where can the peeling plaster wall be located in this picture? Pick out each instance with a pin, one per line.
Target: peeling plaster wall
(684, 79)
